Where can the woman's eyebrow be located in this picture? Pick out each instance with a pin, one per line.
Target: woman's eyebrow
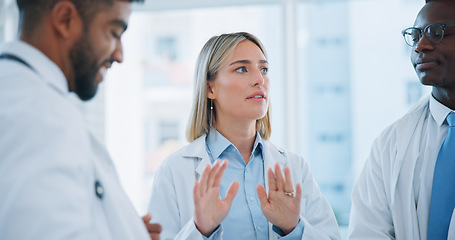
(240, 61)
(247, 62)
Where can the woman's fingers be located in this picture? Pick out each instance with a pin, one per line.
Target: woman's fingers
(203, 180)
(209, 177)
(231, 193)
(219, 174)
(210, 210)
(287, 177)
(279, 178)
(212, 174)
(196, 193)
(262, 195)
(288, 186)
(271, 178)
(298, 192)
(282, 205)
(279, 183)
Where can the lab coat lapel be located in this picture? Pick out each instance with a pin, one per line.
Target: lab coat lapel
(405, 148)
(197, 149)
(405, 129)
(272, 155)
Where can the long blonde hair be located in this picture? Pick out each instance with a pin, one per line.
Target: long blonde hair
(214, 53)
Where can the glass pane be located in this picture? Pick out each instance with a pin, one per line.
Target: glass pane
(354, 79)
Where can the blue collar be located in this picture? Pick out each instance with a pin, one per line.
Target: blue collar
(217, 144)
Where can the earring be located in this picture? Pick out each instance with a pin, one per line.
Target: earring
(211, 112)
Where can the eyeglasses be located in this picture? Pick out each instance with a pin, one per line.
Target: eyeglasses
(433, 32)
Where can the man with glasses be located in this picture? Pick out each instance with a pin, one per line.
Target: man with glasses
(407, 187)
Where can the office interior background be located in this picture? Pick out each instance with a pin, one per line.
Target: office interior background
(340, 73)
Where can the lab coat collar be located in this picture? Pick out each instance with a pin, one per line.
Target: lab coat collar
(41, 64)
(196, 149)
(272, 155)
(439, 111)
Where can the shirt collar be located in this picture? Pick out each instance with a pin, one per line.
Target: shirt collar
(258, 146)
(41, 64)
(217, 144)
(439, 111)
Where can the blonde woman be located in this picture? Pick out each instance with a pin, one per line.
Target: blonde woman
(197, 196)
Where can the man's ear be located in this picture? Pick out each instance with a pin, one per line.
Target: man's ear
(66, 20)
(210, 90)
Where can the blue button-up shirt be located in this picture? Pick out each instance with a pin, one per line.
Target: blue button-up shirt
(245, 220)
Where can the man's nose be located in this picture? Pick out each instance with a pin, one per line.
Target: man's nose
(423, 44)
(117, 55)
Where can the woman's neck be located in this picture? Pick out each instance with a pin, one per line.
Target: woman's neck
(240, 134)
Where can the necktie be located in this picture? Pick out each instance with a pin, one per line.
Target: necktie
(443, 192)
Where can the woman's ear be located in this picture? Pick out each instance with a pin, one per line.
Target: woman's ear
(211, 90)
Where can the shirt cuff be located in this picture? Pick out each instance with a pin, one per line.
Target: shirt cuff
(215, 233)
(297, 233)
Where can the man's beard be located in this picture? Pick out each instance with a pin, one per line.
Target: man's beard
(85, 68)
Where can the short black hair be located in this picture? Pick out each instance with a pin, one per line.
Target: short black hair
(427, 1)
(32, 11)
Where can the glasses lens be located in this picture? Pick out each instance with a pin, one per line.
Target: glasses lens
(434, 33)
(412, 36)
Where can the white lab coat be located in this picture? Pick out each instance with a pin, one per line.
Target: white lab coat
(50, 162)
(172, 193)
(383, 200)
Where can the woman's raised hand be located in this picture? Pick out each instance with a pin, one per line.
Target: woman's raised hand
(282, 206)
(209, 209)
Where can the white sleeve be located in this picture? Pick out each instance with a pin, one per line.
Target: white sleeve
(165, 209)
(370, 213)
(318, 219)
(46, 179)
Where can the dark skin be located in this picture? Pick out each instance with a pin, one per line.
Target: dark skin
(434, 63)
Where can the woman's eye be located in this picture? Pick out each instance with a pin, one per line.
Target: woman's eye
(264, 70)
(241, 69)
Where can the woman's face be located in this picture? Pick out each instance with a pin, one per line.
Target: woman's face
(241, 88)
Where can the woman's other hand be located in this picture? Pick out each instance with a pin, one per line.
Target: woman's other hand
(282, 206)
(209, 209)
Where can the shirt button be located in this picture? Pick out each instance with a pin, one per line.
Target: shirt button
(258, 228)
(251, 199)
(246, 169)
